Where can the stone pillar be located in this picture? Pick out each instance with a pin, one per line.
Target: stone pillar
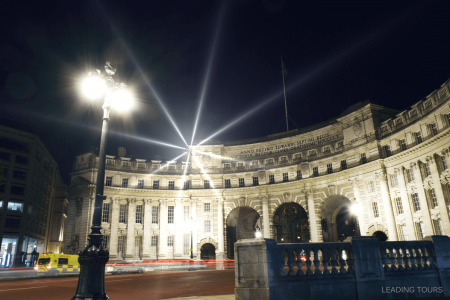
(426, 219)
(194, 226)
(131, 219)
(439, 194)
(162, 251)
(147, 229)
(311, 215)
(441, 245)
(114, 228)
(362, 221)
(266, 220)
(387, 204)
(221, 252)
(410, 229)
(178, 219)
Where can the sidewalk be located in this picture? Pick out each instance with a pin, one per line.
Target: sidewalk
(217, 297)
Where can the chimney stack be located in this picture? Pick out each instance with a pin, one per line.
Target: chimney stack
(122, 151)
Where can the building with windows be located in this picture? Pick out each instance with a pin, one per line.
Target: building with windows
(371, 171)
(30, 185)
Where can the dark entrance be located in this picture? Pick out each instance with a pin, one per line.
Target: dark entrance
(208, 251)
(241, 224)
(291, 224)
(380, 235)
(346, 225)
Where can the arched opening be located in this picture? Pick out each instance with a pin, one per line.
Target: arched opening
(380, 235)
(346, 225)
(241, 224)
(208, 251)
(291, 224)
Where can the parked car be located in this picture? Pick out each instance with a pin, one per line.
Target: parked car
(125, 267)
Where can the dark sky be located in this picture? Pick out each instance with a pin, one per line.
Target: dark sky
(337, 53)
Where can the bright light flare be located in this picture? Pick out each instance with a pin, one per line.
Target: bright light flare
(93, 87)
(121, 100)
(217, 156)
(211, 182)
(355, 209)
(169, 161)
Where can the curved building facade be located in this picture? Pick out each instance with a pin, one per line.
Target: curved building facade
(371, 171)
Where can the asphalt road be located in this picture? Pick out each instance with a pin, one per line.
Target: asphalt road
(147, 286)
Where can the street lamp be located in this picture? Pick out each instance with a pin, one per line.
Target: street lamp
(92, 260)
(356, 210)
(258, 234)
(191, 268)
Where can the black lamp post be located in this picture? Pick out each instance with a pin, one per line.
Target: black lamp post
(92, 260)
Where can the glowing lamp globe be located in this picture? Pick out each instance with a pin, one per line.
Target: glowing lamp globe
(121, 100)
(355, 209)
(93, 87)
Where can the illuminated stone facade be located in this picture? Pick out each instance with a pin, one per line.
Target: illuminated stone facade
(391, 164)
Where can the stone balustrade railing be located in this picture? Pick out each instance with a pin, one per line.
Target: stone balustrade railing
(363, 268)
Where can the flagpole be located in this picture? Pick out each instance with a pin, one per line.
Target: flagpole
(284, 88)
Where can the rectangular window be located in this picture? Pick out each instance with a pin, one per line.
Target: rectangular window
(410, 173)
(186, 214)
(387, 150)
(4, 156)
(315, 171)
(340, 144)
(422, 229)
(433, 197)
(285, 177)
(124, 182)
(227, 166)
(363, 158)
(255, 181)
(186, 185)
(402, 232)
(207, 207)
(371, 185)
(186, 244)
(241, 182)
(326, 149)
(444, 162)
(434, 130)
(283, 159)
(170, 211)
(171, 185)
(416, 202)
(297, 156)
(207, 226)
(105, 212)
(105, 242)
(139, 214)
(255, 163)
(227, 183)
(403, 144)
(126, 163)
(398, 202)
(140, 183)
(21, 160)
(418, 135)
(375, 210)
(154, 241)
(329, 168)
(110, 162)
(156, 184)
(299, 175)
(122, 213)
(19, 175)
(137, 246)
(394, 180)
(206, 184)
(343, 165)
(17, 190)
(120, 245)
(170, 241)
(108, 181)
(154, 214)
(271, 178)
(312, 153)
(269, 161)
(15, 206)
(240, 165)
(427, 169)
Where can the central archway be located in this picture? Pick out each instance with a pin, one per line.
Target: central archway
(241, 224)
(291, 224)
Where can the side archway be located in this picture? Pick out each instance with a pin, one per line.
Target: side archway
(337, 221)
(241, 224)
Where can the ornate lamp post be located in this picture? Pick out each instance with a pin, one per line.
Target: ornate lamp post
(356, 210)
(92, 260)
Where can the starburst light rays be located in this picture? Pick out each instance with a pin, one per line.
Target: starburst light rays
(168, 162)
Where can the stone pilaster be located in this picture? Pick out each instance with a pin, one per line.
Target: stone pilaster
(425, 210)
(194, 226)
(221, 251)
(178, 218)
(162, 251)
(406, 203)
(439, 194)
(362, 221)
(130, 228)
(387, 204)
(147, 229)
(311, 215)
(266, 221)
(114, 228)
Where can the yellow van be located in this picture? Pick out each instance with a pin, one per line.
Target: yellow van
(55, 264)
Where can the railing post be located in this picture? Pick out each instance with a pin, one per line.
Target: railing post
(441, 245)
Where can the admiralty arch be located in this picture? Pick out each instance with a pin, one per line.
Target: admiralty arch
(372, 171)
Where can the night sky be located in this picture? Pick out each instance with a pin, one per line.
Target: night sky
(337, 53)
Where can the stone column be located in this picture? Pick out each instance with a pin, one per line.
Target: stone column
(362, 221)
(114, 228)
(387, 204)
(147, 229)
(178, 219)
(131, 219)
(194, 226)
(266, 223)
(410, 229)
(426, 219)
(221, 252)
(312, 215)
(439, 194)
(162, 251)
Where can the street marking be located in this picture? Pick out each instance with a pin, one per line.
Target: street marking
(36, 287)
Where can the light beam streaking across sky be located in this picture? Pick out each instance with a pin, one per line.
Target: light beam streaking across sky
(184, 175)
(206, 79)
(218, 156)
(169, 161)
(211, 182)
